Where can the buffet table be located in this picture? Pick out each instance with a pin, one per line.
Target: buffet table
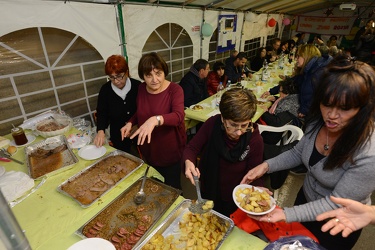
(192, 117)
(50, 218)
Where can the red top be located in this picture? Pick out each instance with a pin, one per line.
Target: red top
(213, 80)
(167, 141)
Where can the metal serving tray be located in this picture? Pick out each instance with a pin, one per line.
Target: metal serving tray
(81, 175)
(123, 214)
(68, 157)
(170, 225)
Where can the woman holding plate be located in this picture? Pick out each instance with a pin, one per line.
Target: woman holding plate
(338, 150)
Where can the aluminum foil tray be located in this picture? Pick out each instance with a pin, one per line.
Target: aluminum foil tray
(123, 222)
(68, 158)
(170, 226)
(93, 182)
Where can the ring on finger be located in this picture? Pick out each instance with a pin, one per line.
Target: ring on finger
(337, 220)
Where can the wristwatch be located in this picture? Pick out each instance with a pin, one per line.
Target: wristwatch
(158, 118)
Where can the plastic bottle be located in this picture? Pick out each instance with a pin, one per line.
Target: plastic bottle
(229, 82)
(264, 72)
(281, 60)
(220, 89)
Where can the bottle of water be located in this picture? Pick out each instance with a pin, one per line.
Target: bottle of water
(265, 64)
(229, 82)
(281, 60)
(220, 90)
(264, 71)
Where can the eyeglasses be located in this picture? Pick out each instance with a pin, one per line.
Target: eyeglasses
(118, 77)
(233, 127)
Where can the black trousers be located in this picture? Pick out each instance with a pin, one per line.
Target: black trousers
(171, 174)
(325, 239)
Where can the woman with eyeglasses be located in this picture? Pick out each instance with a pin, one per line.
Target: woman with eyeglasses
(229, 145)
(116, 103)
(160, 119)
(338, 150)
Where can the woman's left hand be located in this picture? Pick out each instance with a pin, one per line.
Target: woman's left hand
(144, 131)
(275, 216)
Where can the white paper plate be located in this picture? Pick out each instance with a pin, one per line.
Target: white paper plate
(30, 139)
(92, 244)
(78, 140)
(91, 152)
(242, 186)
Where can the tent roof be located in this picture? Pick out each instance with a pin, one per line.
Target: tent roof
(291, 7)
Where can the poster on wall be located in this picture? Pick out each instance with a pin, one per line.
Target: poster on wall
(325, 25)
(226, 32)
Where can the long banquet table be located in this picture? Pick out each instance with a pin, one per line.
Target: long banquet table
(192, 117)
(50, 219)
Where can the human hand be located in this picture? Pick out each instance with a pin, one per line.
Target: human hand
(191, 170)
(265, 94)
(300, 115)
(271, 98)
(144, 131)
(99, 139)
(255, 173)
(275, 216)
(349, 218)
(282, 77)
(125, 130)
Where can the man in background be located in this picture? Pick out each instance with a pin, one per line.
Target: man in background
(194, 83)
(237, 68)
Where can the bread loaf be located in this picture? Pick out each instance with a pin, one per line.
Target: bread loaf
(11, 149)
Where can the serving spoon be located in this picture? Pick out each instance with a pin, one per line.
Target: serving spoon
(140, 197)
(197, 206)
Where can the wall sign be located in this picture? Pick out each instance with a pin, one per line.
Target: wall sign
(227, 27)
(325, 25)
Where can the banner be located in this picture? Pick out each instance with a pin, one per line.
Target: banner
(325, 25)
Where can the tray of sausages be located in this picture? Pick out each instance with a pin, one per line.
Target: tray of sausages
(124, 223)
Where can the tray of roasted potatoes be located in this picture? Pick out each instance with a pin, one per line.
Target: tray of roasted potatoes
(185, 230)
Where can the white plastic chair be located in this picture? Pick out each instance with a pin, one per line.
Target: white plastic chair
(296, 132)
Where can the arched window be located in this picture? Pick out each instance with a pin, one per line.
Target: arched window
(47, 69)
(174, 45)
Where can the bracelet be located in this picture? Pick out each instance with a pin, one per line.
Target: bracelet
(158, 118)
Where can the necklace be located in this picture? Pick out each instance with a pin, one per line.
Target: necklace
(326, 146)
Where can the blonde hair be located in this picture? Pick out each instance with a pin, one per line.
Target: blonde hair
(307, 52)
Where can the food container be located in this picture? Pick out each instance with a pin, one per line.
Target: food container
(53, 125)
(124, 222)
(19, 136)
(91, 183)
(170, 225)
(54, 156)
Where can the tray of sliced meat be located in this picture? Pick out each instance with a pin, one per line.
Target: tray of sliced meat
(123, 222)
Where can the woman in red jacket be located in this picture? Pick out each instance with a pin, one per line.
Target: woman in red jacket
(215, 77)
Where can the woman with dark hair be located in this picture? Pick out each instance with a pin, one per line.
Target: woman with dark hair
(229, 145)
(116, 103)
(338, 150)
(257, 62)
(160, 118)
(215, 77)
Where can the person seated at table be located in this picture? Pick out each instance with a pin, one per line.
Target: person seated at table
(337, 149)
(215, 77)
(284, 48)
(235, 70)
(229, 144)
(271, 55)
(161, 128)
(194, 83)
(350, 217)
(257, 62)
(116, 103)
(283, 111)
(232, 57)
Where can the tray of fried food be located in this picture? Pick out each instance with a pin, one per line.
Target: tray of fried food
(50, 156)
(185, 230)
(123, 222)
(91, 183)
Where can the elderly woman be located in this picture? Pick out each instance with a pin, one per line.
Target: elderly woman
(229, 145)
(338, 150)
(116, 103)
(160, 117)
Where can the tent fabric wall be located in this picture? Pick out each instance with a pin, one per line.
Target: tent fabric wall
(96, 23)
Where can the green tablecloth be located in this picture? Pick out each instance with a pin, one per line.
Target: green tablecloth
(50, 219)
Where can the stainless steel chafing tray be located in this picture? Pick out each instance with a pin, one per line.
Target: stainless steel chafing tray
(123, 222)
(170, 225)
(85, 177)
(67, 156)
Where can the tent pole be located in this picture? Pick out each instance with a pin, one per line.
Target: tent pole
(122, 31)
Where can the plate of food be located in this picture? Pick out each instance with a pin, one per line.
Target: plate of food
(198, 107)
(253, 200)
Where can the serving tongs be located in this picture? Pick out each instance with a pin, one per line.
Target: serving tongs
(198, 207)
(5, 154)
